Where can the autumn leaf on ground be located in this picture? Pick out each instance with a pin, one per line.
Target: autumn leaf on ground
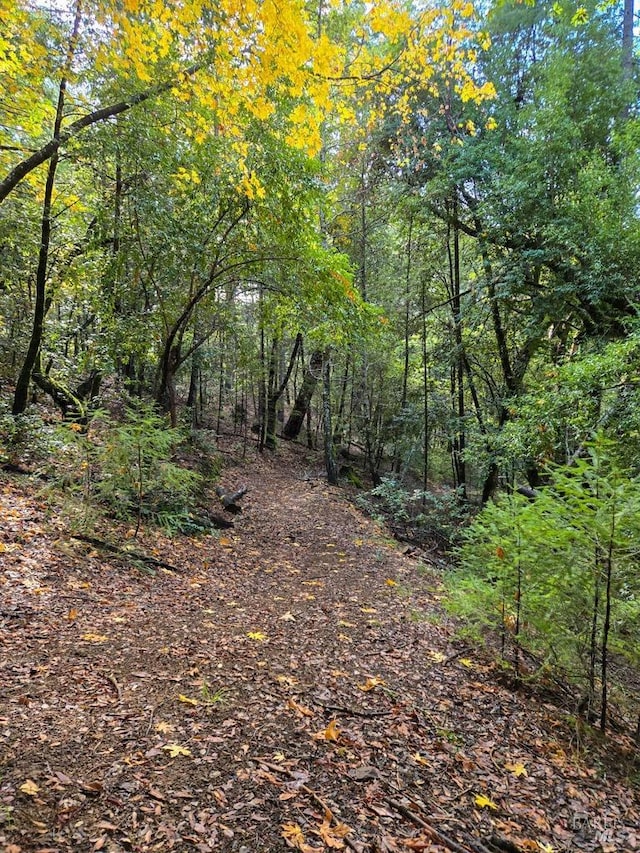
(419, 759)
(546, 848)
(164, 728)
(225, 542)
(331, 732)
(332, 835)
(29, 787)
(371, 682)
(257, 635)
(187, 700)
(437, 657)
(466, 662)
(288, 617)
(517, 769)
(368, 609)
(294, 837)
(287, 680)
(300, 709)
(484, 802)
(391, 582)
(94, 638)
(72, 614)
(175, 750)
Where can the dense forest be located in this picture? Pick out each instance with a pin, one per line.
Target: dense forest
(404, 234)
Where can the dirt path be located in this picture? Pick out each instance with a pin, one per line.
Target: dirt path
(294, 686)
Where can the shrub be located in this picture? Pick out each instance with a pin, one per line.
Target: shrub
(127, 466)
(558, 575)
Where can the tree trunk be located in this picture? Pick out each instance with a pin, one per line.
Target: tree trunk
(303, 400)
(329, 455)
(40, 308)
(275, 394)
(272, 398)
(627, 39)
(425, 393)
(457, 379)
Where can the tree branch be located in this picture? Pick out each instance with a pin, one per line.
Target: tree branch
(26, 166)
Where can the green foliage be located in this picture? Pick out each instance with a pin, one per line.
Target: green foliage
(25, 439)
(431, 516)
(127, 466)
(558, 575)
(567, 402)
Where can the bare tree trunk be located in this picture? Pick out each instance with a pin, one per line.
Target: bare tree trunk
(275, 394)
(627, 39)
(303, 400)
(425, 393)
(457, 381)
(40, 308)
(329, 455)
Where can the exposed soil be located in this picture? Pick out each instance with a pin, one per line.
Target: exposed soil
(294, 685)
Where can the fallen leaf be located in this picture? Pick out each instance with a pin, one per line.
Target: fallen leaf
(187, 700)
(225, 542)
(175, 750)
(546, 848)
(164, 728)
(466, 662)
(288, 617)
(257, 635)
(300, 709)
(438, 657)
(419, 759)
(287, 680)
(288, 795)
(332, 732)
(371, 682)
(332, 835)
(517, 769)
(484, 802)
(72, 614)
(294, 837)
(391, 582)
(29, 787)
(94, 638)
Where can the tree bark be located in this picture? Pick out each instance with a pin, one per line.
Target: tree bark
(303, 400)
(457, 380)
(274, 394)
(627, 39)
(329, 455)
(40, 307)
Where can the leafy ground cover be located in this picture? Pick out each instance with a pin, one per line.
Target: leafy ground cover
(293, 684)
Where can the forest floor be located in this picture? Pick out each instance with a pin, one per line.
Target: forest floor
(295, 684)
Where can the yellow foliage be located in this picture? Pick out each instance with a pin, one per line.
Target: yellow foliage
(286, 68)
